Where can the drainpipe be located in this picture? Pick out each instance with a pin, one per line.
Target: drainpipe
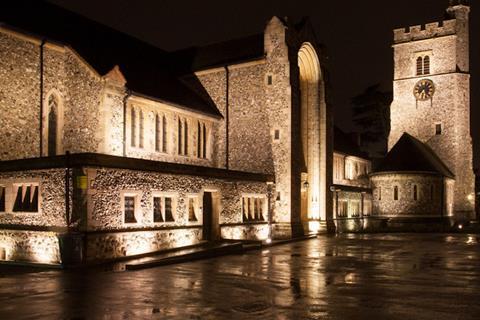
(227, 120)
(67, 189)
(42, 44)
(270, 211)
(128, 94)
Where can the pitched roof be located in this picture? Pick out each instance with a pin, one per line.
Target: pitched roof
(410, 154)
(147, 69)
(220, 54)
(343, 143)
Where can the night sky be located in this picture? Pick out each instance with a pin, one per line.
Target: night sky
(358, 34)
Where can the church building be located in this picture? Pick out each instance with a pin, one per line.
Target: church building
(112, 148)
(428, 171)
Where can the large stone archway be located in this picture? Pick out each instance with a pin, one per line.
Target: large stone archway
(313, 127)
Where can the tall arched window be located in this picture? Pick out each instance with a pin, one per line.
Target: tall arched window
(185, 143)
(52, 125)
(419, 66)
(140, 127)
(164, 133)
(415, 192)
(180, 136)
(133, 129)
(199, 140)
(158, 132)
(395, 193)
(426, 65)
(204, 141)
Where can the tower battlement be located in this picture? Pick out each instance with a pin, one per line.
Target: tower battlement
(426, 31)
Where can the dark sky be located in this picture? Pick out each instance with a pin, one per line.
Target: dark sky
(358, 34)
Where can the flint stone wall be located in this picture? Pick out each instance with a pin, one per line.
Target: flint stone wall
(30, 246)
(80, 91)
(51, 198)
(406, 205)
(106, 185)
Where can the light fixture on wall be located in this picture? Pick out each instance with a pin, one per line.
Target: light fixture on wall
(305, 186)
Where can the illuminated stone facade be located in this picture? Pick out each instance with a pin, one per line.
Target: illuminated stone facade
(111, 171)
(437, 115)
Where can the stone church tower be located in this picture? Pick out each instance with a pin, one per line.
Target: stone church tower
(432, 96)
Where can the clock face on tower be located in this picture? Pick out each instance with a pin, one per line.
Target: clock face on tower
(424, 89)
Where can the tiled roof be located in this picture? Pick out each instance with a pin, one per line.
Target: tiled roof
(411, 155)
(148, 70)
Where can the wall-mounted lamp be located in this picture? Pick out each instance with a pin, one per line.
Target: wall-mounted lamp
(305, 186)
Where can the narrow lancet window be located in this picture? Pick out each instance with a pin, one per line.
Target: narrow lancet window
(133, 126)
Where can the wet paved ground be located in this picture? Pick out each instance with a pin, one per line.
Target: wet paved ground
(344, 277)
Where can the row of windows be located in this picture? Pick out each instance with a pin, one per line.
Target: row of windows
(253, 208)
(353, 208)
(349, 169)
(414, 192)
(26, 198)
(163, 209)
(161, 134)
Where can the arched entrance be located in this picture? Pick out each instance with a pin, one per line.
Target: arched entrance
(313, 136)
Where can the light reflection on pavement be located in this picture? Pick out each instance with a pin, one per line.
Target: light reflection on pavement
(395, 276)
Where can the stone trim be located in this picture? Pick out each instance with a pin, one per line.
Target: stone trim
(116, 162)
(139, 229)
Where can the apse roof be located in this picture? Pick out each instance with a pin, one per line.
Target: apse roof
(148, 70)
(411, 155)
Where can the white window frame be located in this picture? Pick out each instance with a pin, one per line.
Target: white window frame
(198, 206)
(11, 194)
(137, 195)
(165, 194)
(261, 196)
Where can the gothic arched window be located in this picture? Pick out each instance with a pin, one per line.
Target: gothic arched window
(158, 132)
(133, 117)
(52, 125)
(140, 127)
(164, 133)
(426, 65)
(419, 66)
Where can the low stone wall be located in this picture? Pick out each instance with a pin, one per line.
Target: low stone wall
(113, 245)
(30, 246)
(245, 232)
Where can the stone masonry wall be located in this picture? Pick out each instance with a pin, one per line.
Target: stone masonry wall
(19, 98)
(78, 88)
(449, 106)
(51, 198)
(30, 246)
(104, 198)
(383, 186)
(106, 185)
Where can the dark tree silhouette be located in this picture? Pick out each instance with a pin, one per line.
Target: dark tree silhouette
(371, 112)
